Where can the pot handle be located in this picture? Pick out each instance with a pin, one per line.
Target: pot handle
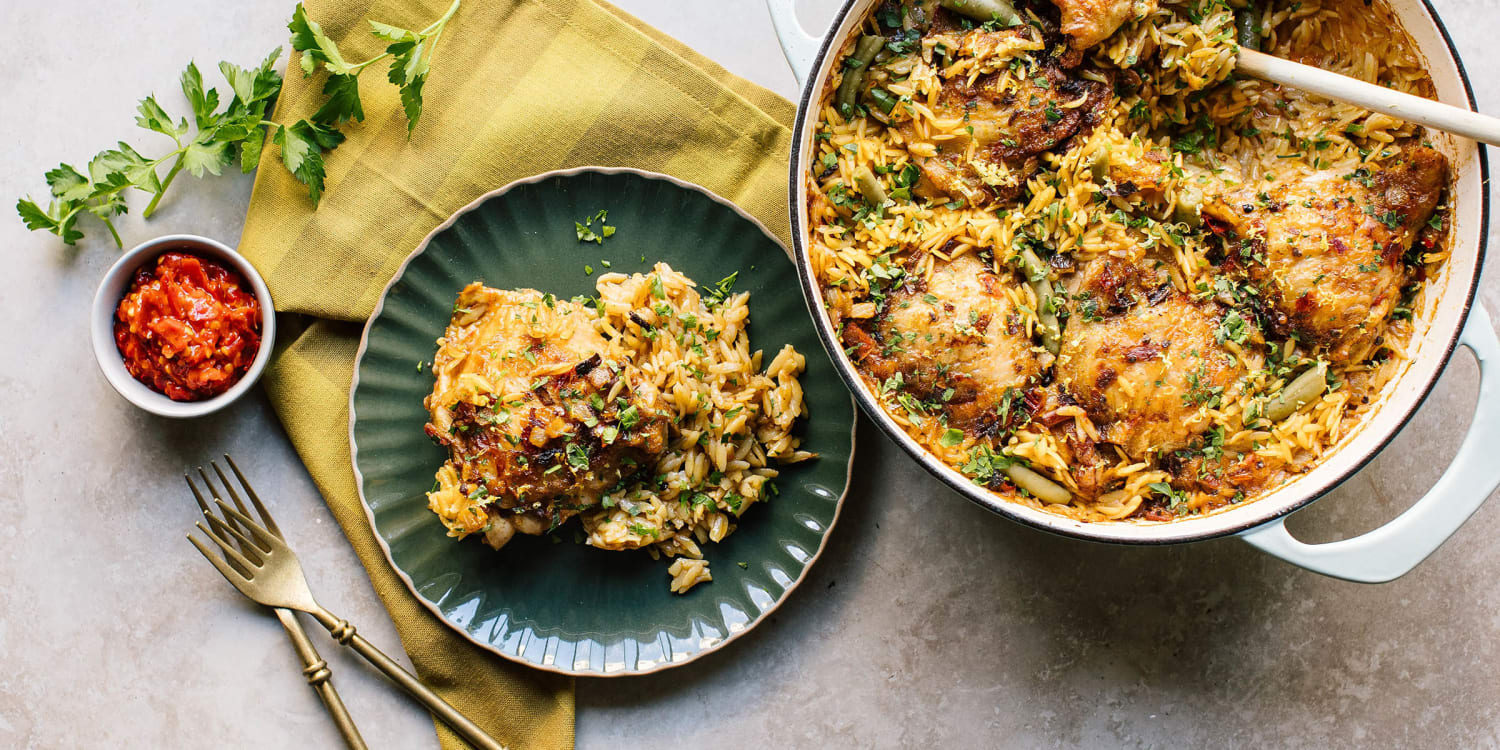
(799, 46)
(1391, 551)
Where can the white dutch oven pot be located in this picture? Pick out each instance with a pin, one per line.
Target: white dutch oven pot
(1449, 319)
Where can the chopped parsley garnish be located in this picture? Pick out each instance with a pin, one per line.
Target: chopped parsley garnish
(722, 289)
(585, 228)
(984, 463)
(1201, 136)
(904, 180)
(1232, 328)
(629, 417)
(577, 458)
(1088, 308)
(1199, 392)
(1176, 501)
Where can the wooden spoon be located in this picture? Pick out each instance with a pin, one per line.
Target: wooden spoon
(1375, 98)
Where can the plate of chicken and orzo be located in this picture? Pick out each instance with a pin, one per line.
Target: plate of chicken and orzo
(593, 425)
(1078, 261)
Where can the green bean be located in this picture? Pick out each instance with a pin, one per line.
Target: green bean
(869, 187)
(1189, 206)
(1099, 168)
(883, 100)
(1303, 390)
(854, 73)
(1046, 317)
(1040, 487)
(1247, 27)
(985, 10)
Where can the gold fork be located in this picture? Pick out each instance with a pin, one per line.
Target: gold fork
(316, 670)
(275, 579)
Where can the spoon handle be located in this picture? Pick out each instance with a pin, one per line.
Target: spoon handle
(1375, 98)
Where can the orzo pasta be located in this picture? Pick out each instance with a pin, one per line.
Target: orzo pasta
(1080, 261)
(642, 411)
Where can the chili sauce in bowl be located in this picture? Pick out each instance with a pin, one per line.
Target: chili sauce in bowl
(188, 328)
(182, 325)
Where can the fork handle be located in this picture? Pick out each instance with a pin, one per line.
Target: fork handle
(344, 633)
(317, 674)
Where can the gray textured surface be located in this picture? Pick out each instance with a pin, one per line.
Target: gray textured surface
(927, 621)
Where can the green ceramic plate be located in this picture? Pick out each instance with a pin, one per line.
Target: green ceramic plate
(568, 607)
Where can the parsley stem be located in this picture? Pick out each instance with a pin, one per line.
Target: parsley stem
(113, 233)
(433, 42)
(358, 67)
(155, 199)
(435, 31)
(438, 24)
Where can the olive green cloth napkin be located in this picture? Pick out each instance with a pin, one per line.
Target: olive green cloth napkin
(517, 87)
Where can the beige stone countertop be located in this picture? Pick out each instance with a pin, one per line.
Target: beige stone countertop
(928, 622)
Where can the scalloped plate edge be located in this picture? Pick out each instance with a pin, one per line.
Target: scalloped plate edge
(359, 480)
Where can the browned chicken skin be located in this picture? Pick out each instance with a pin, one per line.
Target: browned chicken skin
(1328, 248)
(522, 403)
(1108, 285)
(1011, 129)
(1144, 375)
(957, 331)
(542, 480)
(1089, 22)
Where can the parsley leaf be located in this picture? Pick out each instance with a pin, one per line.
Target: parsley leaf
(315, 46)
(302, 146)
(152, 117)
(203, 102)
(254, 85)
(239, 128)
(343, 101)
(211, 156)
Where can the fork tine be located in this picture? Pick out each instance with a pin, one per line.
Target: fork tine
(230, 574)
(229, 488)
(230, 553)
(214, 490)
(238, 503)
(246, 523)
(251, 551)
(245, 544)
(202, 504)
(254, 551)
(265, 515)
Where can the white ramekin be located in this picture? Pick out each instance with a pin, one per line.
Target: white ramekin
(113, 288)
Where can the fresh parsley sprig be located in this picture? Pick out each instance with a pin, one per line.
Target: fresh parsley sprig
(215, 137)
(410, 53)
(207, 145)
